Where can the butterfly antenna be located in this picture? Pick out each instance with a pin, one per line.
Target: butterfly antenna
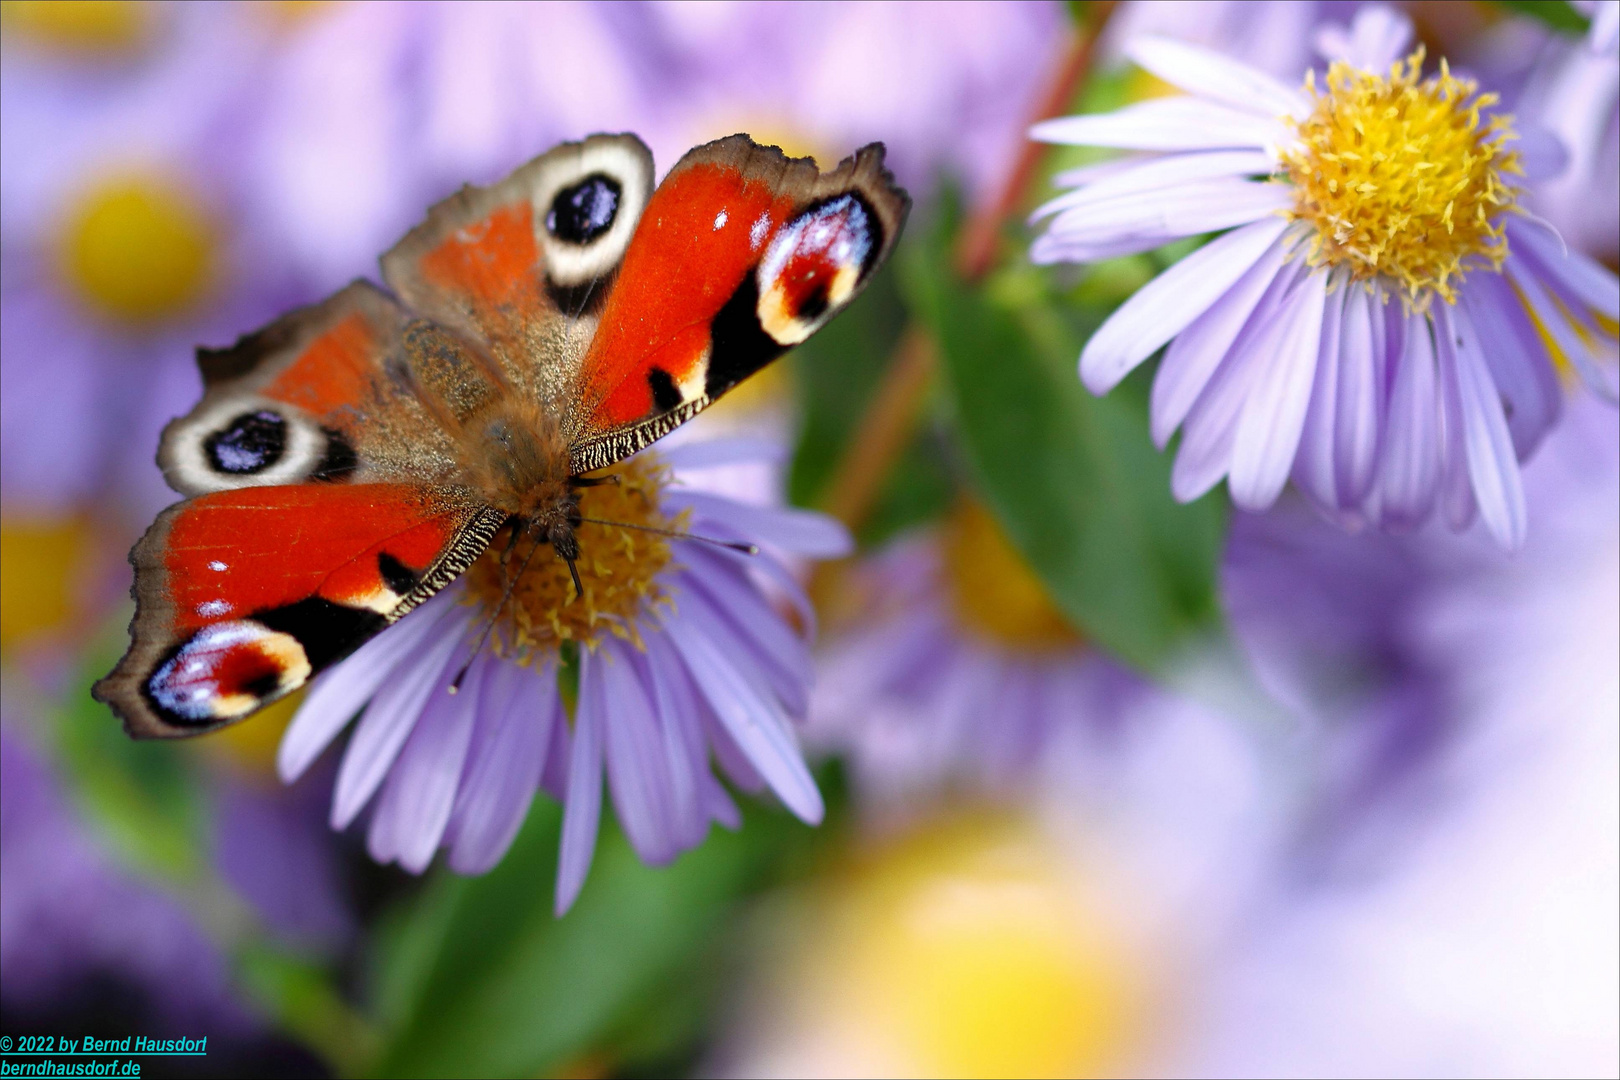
(746, 549)
(506, 594)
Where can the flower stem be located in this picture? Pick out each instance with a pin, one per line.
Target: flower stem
(891, 415)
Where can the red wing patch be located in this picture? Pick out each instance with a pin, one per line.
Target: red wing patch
(243, 595)
(703, 231)
(235, 553)
(741, 254)
(317, 395)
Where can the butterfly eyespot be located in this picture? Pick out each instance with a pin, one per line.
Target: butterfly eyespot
(813, 266)
(584, 211)
(249, 441)
(587, 201)
(226, 671)
(250, 444)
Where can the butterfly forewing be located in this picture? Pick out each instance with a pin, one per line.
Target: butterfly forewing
(741, 254)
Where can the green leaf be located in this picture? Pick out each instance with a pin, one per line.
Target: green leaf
(478, 978)
(1558, 14)
(1074, 479)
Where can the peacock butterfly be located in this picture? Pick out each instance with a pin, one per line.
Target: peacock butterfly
(354, 457)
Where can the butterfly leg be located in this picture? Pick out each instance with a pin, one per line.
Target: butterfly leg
(567, 546)
(507, 586)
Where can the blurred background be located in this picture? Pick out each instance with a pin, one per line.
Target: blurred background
(1295, 802)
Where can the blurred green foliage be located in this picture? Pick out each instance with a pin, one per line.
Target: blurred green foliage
(1075, 480)
(476, 977)
(1561, 15)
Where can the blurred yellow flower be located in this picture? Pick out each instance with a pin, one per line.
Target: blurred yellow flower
(84, 26)
(139, 247)
(968, 948)
(39, 564)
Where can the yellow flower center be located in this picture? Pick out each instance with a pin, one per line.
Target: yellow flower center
(85, 26)
(1401, 178)
(618, 568)
(138, 247)
(993, 591)
(972, 948)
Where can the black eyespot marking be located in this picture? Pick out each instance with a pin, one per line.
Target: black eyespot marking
(813, 305)
(263, 685)
(395, 574)
(251, 443)
(339, 462)
(738, 344)
(581, 213)
(666, 395)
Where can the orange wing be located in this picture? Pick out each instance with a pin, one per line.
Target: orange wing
(320, 395)
(741, 254)
(242, 596)
(518, 271)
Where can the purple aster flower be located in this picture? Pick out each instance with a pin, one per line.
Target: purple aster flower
(1382, 323)
(1475, 932)
(681, 656)
(83, 942)
(1155, 922)
(67, 914)
(1274, 37)
(959, 669)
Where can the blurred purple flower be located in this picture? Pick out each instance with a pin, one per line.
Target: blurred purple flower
(958, 671)
(68, 916)
(918, 703)
(680, 656)
(1390, 369)
(378, 110)
(1273, 37)
(1574, 91)
(272, 847)
(946, 88)
(1471, 929)
(127, 240)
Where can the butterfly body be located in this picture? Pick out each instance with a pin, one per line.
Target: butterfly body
(354, 457)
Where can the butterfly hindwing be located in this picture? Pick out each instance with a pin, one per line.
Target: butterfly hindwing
(243, 595)
(741, 254)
